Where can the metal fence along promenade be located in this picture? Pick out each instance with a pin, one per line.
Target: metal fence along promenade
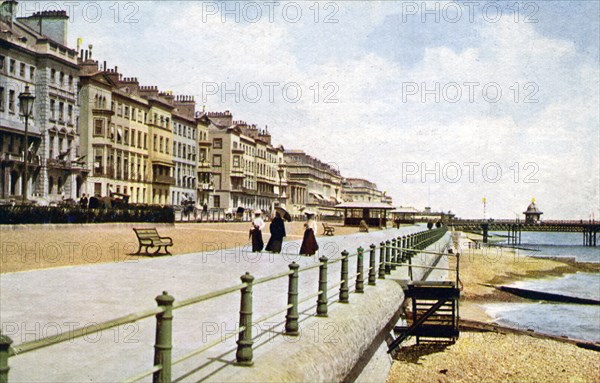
(394, 252)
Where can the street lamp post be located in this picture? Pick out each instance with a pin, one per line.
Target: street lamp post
(280, 172)
(26, 100)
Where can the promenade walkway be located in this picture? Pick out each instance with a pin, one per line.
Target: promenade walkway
(41, 303)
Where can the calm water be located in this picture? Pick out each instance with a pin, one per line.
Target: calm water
(574, 321)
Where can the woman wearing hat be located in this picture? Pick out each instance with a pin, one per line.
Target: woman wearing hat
(309, 242)
(277, 229)
(256, 232)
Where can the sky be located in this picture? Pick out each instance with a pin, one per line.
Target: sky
(441, 104)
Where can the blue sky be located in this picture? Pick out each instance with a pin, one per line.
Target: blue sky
(381, 62)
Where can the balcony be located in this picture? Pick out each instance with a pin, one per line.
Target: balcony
(204, 165)
(206, 186)
(204, 143)
(163, 179)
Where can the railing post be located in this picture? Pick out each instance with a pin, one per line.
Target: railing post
(394, 252)
(244, 354)
(322, 299)
(164, 338)
(382, 260)
(360, 278)
(372, 272)
(344, 290)
(291, 318)
(403, 251)
(388, 269)
(5, 343)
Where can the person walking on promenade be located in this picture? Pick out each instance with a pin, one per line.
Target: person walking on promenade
(256, 232)
(309, 242)
(277, 229)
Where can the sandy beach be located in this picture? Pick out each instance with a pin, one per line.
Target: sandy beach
(490, 356)
(39, 247)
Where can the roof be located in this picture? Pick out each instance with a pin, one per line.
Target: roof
(532, 209)
(407, 209)
(364, 205)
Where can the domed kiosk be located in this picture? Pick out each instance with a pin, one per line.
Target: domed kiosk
(533, 214)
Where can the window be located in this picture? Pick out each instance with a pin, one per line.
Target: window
(112, 132)
(98, 127)
(71, 82)
(22, 70)
(53, 75)
(61, 111)
(11, 101)
(2, 99)
(217, 160)
(51, 147)
(217, 201)
(70, 114)
(61, 78)
(13, 65)
(1, 62)
(52, 109)
(31, 73)
(126, 136)
(154, 142)
(133, 137)
(127, 112)
(139, 140)
(236, 161)
(167, 145)
(145, 140)
(160, 146)
(218, 143)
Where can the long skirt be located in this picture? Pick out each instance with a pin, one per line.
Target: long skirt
(274, 245)
(309, 243)
(257, 241)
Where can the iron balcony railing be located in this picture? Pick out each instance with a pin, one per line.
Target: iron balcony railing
(392, 253)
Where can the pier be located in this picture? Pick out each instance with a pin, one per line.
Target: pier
(514, 228)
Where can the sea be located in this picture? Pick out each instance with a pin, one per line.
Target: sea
(570, 320)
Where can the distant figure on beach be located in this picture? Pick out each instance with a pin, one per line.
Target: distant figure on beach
(309, 242)
(83, 201)
(256, 232)
(277, 229)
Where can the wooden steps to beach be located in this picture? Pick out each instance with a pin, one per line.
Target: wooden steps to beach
(434, 316)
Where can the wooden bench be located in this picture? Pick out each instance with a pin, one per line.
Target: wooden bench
(328, 229)
(150, 238)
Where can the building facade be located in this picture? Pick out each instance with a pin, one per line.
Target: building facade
(245, 165)
(362, 190)
(312, 184)
(45, 64)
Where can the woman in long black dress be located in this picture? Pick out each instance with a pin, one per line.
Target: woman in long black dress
(256, 232)
(277, 229)
(309, 242)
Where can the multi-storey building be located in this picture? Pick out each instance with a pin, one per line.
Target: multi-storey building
(34, 53)
(114, 137)
(185, 150)
(360, 190)
(205, 185)
(312, 184)
(244, 165)
(159, 120)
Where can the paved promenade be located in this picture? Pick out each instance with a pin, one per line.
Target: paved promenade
(40, 303)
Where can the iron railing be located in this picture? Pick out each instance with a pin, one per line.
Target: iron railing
(394, 252)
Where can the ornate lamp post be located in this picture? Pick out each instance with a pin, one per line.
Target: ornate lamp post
(26, 100)
(280, 172)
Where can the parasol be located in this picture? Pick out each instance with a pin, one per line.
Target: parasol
(284, 214)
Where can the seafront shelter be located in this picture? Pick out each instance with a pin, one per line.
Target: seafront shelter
(404, 214)
(374, 213)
